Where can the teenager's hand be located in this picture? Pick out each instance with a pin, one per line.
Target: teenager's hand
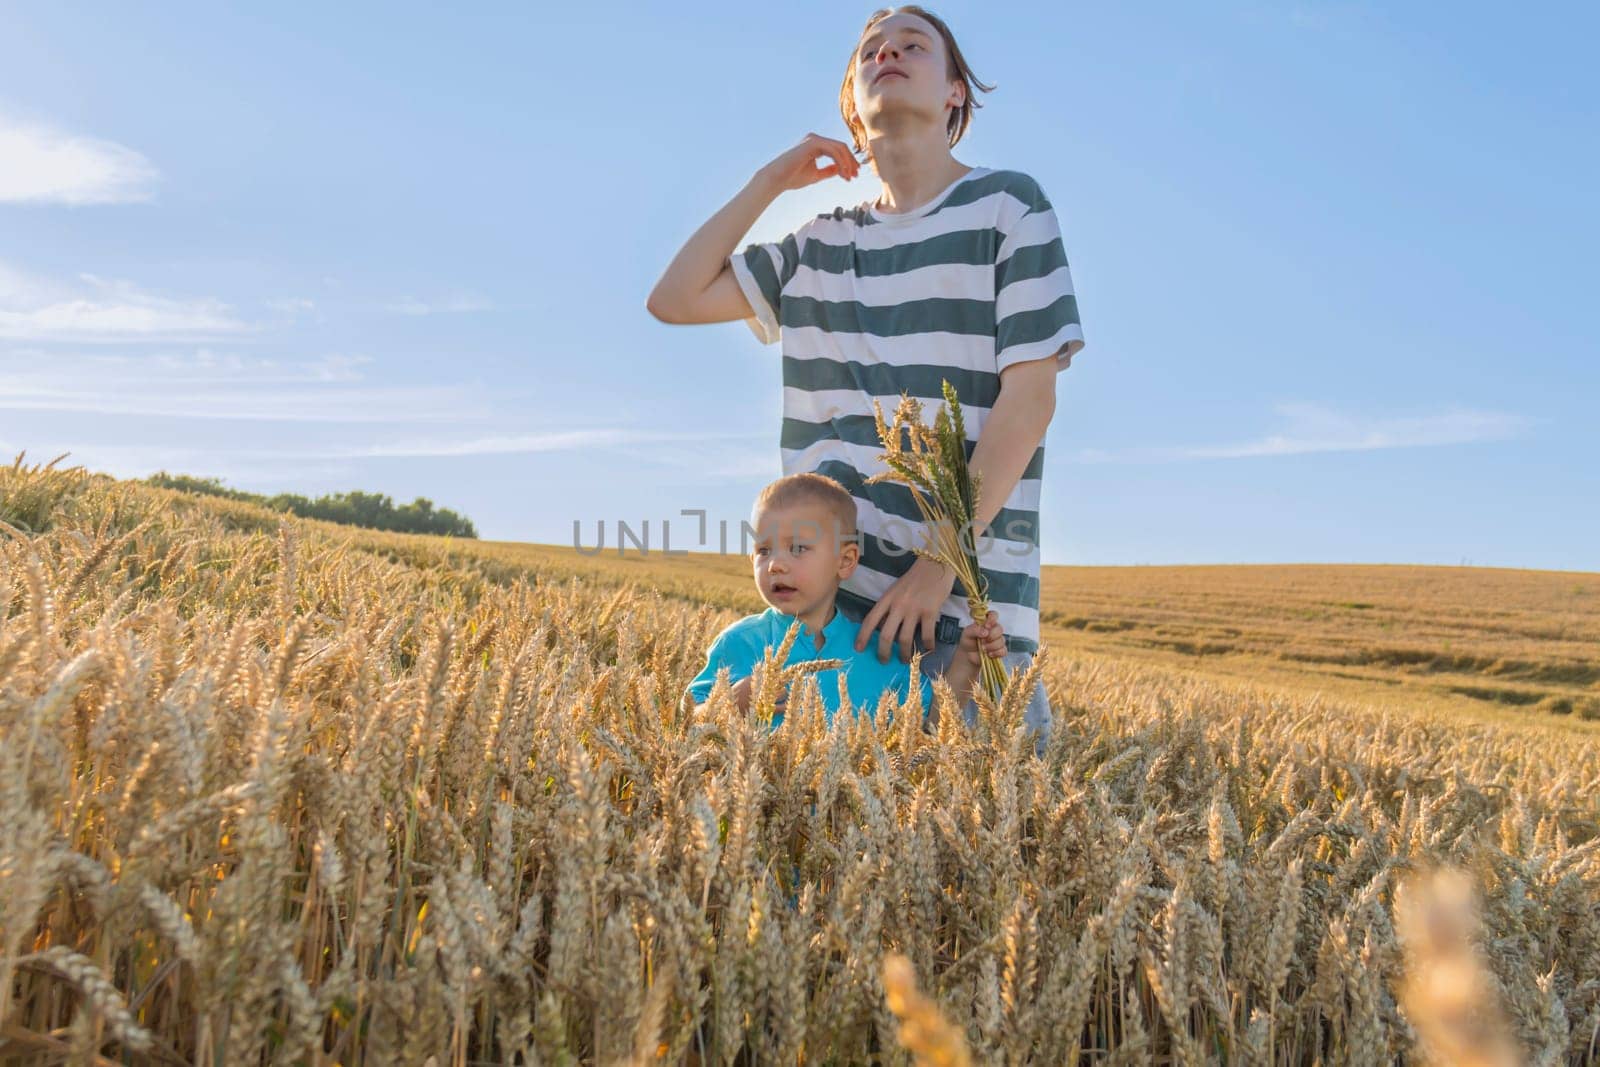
(983, 639)
(797, 168)
(908, 606)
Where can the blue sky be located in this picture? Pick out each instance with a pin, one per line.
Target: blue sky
(1335, 262)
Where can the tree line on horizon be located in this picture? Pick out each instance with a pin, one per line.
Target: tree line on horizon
(376, 511)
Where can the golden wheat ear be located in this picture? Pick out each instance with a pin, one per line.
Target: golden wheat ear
(932, 1040)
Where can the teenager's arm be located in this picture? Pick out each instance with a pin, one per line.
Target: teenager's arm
(1037, 332)
(1015, 427)
(1012, 432)
(698, 285)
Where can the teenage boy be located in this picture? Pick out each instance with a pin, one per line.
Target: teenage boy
(953, 272)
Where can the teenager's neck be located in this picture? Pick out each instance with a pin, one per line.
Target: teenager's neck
(913, 169)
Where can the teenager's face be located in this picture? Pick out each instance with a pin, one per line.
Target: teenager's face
(800, 557)
(900, 72)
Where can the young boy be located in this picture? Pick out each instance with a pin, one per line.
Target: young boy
(805, 546)
(953, 272)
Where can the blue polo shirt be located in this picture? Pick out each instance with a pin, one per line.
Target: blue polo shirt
(744, 643)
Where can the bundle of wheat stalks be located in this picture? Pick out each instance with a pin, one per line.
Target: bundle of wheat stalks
(280, 792)
(932, 465)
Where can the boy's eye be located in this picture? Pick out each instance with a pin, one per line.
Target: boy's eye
(800, 548)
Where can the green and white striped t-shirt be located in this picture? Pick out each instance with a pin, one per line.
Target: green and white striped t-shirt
(870, 304)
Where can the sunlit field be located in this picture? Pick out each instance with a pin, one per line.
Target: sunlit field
(280, 791)
(1470, 642)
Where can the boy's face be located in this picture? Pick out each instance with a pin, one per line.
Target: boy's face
(801, 556)
(900, 70)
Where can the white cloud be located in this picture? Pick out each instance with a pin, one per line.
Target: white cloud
(96, 310)
(1317, 429)
(709, 456)
(334, 389)
(47, 165)
(209, 385)
(748, 458)
(458, 303)
(141, 460)
(548, 441)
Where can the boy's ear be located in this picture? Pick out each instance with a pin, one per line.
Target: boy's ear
(849, 556)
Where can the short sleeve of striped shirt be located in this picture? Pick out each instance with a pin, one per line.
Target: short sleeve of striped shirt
(1036, 309)
(762, 270)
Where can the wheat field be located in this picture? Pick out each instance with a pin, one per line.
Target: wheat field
(276, 791)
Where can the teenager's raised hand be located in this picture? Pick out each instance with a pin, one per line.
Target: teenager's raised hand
(797, 167)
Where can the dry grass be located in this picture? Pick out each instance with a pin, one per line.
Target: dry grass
(295, 793)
